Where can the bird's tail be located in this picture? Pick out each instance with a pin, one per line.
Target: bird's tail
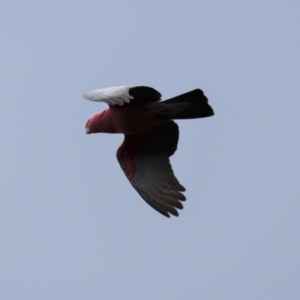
(193, 104)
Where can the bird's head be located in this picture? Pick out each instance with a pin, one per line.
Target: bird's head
(96, 124)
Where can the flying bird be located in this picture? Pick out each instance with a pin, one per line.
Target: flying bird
(151, 137)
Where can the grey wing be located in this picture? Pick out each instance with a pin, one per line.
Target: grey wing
(156, 183)
(121, 95)
(144, 158)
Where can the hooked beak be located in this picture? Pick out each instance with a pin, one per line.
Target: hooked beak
(87, 129)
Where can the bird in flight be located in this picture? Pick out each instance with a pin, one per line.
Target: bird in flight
(151, 137)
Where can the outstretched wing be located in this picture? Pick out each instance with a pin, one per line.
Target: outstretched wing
(124, 94)
(144, 158)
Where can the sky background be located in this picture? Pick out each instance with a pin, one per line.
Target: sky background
(71, 225)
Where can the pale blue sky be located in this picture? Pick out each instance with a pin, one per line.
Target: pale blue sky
(72, 227)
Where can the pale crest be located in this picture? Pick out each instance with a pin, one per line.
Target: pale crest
(112, 96)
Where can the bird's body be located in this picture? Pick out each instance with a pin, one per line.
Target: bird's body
(151, 137)
(126, 120)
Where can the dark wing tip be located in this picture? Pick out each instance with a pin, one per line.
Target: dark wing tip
(158, 209)
(144, 94)
(167, 204)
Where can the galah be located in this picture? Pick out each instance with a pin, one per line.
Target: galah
(151, 137)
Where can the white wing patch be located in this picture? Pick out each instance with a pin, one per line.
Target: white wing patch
(112, 96)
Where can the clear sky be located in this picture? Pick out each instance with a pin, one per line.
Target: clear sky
(71, 225)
